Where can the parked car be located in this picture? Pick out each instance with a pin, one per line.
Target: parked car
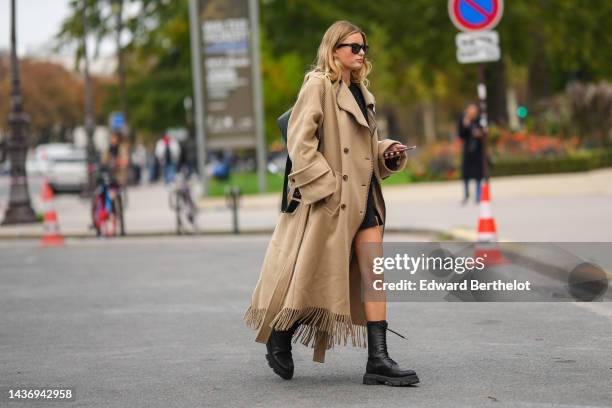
(63, 164)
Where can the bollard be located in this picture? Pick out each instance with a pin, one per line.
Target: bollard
(232, 198)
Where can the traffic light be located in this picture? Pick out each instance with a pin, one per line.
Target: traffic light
(521, 112)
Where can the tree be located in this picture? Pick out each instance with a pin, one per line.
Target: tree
(53, 97)
(545, 44)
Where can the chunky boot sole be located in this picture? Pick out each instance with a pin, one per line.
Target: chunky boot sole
(376, 379)
(287, 375)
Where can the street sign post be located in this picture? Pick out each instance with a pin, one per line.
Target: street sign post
(477, 47)
(227, 76)
(477, 44)
(475, 15)
(476, 18)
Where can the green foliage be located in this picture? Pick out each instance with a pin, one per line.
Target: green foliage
(412, 49)
(247, 181)
(282, 79)
(99, 25)
(158, 58)
(159, 75)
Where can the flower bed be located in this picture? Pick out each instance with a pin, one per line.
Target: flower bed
(511, 154)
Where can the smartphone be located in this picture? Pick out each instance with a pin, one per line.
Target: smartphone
(403, 149)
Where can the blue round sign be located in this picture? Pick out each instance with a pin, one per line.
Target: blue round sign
(117, 120)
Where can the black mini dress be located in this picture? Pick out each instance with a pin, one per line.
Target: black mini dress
(371, 218)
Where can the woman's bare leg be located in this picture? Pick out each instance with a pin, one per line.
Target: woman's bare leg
(380, 369)
(374, 310)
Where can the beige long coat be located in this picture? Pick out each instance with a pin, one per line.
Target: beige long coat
(309, 272)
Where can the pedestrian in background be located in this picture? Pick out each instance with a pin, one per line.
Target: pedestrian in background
(190, 156)
(139, 162)
(116, 158)
(471, 133)
(311, 279)
(168, 152)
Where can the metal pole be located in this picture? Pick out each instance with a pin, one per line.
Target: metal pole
(121, 65)
(198, 89)
(89, 118)
(257, 95)
(128, 133)
(482, 96)
(235, 198)
(19, 210)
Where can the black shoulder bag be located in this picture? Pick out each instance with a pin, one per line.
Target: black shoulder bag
(283, 124)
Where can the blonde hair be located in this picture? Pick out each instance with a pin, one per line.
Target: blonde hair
(326, 63)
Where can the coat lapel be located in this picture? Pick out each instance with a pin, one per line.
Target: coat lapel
(371, 105)
(369, 98)
(347, 102)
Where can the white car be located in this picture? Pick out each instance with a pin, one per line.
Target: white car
(63, 164)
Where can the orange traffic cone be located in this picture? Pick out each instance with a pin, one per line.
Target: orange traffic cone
(490, 253)
(487, 247)
(486, 223)
(51, 232)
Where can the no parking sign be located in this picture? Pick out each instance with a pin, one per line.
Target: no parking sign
(475, 15)
(477, 44)
(476, 18)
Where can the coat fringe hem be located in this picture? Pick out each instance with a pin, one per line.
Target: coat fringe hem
(312, 320)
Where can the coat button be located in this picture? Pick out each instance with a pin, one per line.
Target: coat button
(293, 180)
(345, 177)
(343, 206)
(346, 150)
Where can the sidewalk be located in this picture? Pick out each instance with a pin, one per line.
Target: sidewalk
(571, 207)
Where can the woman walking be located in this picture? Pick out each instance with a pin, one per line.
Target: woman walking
(309, 288)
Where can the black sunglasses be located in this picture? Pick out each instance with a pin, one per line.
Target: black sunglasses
(355, 47)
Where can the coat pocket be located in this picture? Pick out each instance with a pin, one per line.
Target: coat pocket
(331, 203)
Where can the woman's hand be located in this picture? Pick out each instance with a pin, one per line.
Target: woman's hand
(394, 151)
(478, 133)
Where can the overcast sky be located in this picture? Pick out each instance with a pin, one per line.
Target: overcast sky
(37, 22)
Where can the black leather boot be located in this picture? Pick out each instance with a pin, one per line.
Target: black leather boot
(279, 351)
(381, 369)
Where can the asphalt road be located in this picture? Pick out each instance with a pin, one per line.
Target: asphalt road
(158, 323)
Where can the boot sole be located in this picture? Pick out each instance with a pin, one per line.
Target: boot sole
(375, 379)
(277, 369)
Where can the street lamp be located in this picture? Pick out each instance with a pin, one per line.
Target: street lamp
(117, 10)
(188, 105)
(88, 111)
(19, 210)
(128, 133)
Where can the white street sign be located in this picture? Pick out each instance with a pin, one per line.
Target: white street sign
(480, 46)
(464, 40)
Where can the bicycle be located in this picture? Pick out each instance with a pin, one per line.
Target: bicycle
(182, 203)
(107, 205)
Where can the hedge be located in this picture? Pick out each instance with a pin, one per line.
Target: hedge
(581, 161)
